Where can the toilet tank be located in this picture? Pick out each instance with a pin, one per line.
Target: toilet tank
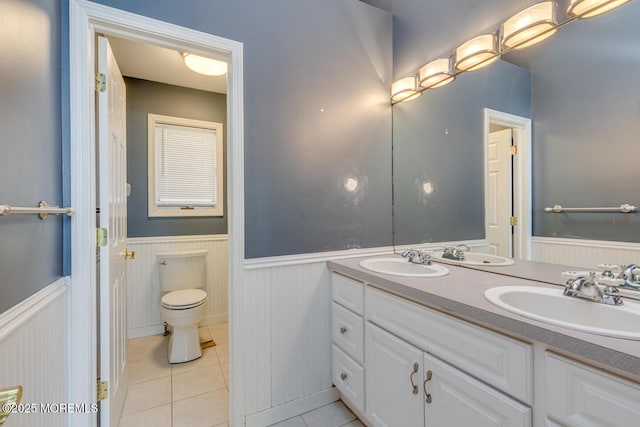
(182, 270)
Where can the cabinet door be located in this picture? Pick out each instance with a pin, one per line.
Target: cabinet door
(393, 367)
(456, 399)
(578, 395)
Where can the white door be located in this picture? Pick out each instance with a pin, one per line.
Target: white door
(112, 200)
(393, 380)
(454, 399)
(500, 193)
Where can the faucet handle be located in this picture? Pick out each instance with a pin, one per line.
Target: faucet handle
(610, 268)
(575, 274)
(610, 281)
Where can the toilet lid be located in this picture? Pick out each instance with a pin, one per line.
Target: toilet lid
(184, 298)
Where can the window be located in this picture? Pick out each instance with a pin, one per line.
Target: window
(185, 167)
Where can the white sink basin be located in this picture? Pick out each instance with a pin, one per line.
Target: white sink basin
(402, 267)
(475, 258)
(551, 306)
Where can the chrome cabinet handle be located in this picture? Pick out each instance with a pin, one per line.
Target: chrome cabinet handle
(343, 376)
(424, 385)
(415, 370)
(343, 330)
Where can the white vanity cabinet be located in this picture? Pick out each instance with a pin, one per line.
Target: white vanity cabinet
(347, 331)
(403, 364)
(579, 395)
(394, 378)
(408, 386)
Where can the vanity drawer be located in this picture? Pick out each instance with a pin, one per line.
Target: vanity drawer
(502, 362)
(348, 377)
(348, 331)
(348, 292)
(577, 395)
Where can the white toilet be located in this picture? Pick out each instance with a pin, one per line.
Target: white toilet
(182, 279)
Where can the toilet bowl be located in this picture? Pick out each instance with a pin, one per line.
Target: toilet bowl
(183, 303)
(183, 310)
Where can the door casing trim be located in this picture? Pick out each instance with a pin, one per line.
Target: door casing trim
(85, 20)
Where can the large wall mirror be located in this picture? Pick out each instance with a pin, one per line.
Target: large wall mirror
(580, 89)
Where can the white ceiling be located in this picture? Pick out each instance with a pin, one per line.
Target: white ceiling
(158, 64)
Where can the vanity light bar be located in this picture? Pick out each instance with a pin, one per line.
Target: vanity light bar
(404, 90)
(526, 28)
(589, 8)
(530, 26)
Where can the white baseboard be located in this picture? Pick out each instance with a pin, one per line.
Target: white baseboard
(292, 409)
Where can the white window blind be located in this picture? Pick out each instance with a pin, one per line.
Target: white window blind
(185, 166)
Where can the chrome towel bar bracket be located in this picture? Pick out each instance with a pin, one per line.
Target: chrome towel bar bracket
(43, 210)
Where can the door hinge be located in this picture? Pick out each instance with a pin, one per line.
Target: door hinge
(513, 221)
(513, 150)
(102, 390)
(102, 237)
(101, 82)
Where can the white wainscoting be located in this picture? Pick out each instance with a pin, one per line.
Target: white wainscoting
(286, 304)
(34, 354)
(143, 302)
(583, 253)
(286, 307)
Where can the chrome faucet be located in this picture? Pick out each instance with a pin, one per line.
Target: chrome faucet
(417, 256)
(455, 252)
(631, 279)
(588, 288)
(629, 274)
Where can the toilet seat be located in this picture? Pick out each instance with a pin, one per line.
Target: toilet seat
(184, 299)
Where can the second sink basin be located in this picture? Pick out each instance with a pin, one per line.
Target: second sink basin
(402, 267)
(551, 306)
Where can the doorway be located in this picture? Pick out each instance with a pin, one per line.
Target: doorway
(507, 183)
(86, 21)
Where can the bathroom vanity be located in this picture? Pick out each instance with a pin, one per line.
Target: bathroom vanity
(411, 351)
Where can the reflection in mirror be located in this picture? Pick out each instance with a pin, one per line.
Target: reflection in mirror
(579, 90)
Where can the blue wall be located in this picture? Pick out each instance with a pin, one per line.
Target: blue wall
(30, 141)
(316, 112)
(584, 108)
(586, 127)
(144, 97)
(438, 138)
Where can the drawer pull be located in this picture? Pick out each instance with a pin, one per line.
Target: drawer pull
(415, 370)
(343, 330)
(424, 385)
(343, 376)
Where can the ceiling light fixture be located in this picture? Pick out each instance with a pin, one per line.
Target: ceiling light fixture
(477, 53)
(530, 26)
(435, 74)
(206, 66)
(404, 90)
(588, 8)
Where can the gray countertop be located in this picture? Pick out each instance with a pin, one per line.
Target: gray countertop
(460, 293)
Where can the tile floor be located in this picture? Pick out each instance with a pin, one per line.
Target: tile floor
(191, 394)
(196, 394)
(335, 414)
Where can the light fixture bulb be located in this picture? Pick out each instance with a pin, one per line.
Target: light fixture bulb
(404, 90)
(477, 53)
(589, 8)
(530, 26)
(435, 74)
(206, 66)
